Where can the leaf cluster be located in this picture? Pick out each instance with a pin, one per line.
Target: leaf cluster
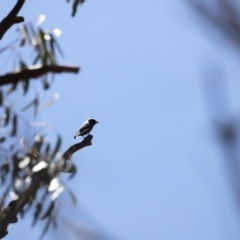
(75, 4)
(30, 164)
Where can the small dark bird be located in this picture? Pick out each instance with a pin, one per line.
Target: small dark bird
(86, 127)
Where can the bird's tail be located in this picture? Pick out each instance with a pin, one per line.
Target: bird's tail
(75, 137)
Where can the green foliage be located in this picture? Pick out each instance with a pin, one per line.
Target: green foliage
(14, 125)
(27, 157)
(26, 154)
(73, 197)
(57, 146)
(1, 97)
(43, 43)
(75, 5)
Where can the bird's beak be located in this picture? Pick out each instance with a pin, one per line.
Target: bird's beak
(97, 122)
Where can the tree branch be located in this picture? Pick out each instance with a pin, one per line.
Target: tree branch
(35, 71)
(9, 214)
(76, 147)
(11, 18)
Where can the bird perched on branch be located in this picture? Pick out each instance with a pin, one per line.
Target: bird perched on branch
(86, 128)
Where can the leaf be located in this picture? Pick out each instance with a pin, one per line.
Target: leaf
(28, 105)
(4, 195)
(22, 213)
(54, 217)
(4, 171)
(14, 122)
(46, 84)
(51, 57)
(1, 97)
(23, 66)
(46, 228)
(12, 88)
(73, 172)
(75, 5)
(37, 212)
(42, 39)
(35, 41)
(52, 43)
(38, 142)
(15, 168)
(23, 41)
(43, 59)
(46, 104)
(44, 53)
(57, 46)
(54, 221)
(73, 197)
(36, 102)
(49, 210)
(25, 33)
(6, 117)
(57, 146)
(25, 84)
(36, 59)
(47, 148)
(5, 167)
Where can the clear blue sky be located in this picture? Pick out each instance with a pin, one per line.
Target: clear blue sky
(154, 171)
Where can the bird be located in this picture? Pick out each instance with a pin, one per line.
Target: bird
(86, 128)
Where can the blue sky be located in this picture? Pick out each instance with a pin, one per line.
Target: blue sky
(154, 170)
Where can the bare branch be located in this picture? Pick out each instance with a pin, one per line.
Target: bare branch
(35, 71)
(11, 18)
(9, 214)
(71, 150)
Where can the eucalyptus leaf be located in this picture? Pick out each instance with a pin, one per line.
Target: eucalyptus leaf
(25, 33)
(49, 210)
(47, 225)
(56, 44)
(47, 148)
(14, 125)
(37, 212)
(12, 88)
(6, 117)
(57, 146)
(28, 105)
(25, 85)
(36, 59)
(73, 197)
(1, 97)
(75, 5)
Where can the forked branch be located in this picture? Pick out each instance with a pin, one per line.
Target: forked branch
(11, 18)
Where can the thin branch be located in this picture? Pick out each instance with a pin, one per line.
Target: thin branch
(35, 71)
(11, 18)
(76, 147)
(9, 214)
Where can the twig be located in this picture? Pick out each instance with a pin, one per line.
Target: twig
(35, 71)
(11, 18)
